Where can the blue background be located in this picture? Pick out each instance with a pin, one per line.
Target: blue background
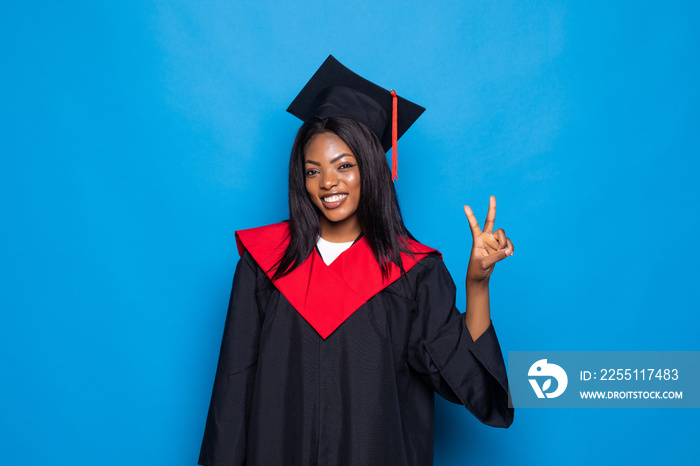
(135, 137)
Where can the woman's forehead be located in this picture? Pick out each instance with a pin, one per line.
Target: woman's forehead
(327, 145)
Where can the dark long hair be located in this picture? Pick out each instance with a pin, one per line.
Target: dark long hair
(378, 211)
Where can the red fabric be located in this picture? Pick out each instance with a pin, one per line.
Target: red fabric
(325, 295)
(394, 136)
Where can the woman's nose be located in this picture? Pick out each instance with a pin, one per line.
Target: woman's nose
(328, 180)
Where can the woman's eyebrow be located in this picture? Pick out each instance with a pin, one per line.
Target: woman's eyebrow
(332, 161)
(340, 157)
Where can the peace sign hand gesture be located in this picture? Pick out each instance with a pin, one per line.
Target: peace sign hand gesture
(488, 247)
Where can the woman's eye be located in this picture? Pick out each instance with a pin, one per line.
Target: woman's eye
(310, 172)
(346, 165)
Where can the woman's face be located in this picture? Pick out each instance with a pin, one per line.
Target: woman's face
(333, 182)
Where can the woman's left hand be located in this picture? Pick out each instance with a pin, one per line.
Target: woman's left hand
(488, 247)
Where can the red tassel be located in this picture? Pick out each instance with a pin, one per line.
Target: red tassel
(394, 136)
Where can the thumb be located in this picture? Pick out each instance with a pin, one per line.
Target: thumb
(497, 256)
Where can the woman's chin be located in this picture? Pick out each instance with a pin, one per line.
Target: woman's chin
(334, 219)
(340, 221)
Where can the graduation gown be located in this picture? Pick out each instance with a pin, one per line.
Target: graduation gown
(331, 365)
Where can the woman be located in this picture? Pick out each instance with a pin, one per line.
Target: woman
(341, 326)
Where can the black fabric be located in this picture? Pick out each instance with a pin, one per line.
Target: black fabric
(344, 101)
(364, 396)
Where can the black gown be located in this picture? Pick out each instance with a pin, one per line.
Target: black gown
(285, 395)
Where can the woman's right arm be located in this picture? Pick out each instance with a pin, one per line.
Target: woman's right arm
(225, 432)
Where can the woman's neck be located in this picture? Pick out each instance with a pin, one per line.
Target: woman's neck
(340, 232)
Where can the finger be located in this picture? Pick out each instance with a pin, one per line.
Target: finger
(473, 224)
(500, 235)
(491, 242)
(510, 246)
(491, 215)
(491, 259)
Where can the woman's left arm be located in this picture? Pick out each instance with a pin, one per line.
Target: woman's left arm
(488, 247)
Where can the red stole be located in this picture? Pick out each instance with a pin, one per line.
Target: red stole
(325, 295)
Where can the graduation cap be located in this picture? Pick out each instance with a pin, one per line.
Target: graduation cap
(334, 91)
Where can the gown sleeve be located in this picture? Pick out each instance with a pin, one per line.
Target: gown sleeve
(467, 372)
(225, 432)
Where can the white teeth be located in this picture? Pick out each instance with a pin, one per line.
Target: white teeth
(335, 197)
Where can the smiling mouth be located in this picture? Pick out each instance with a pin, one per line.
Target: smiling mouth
(333, 201)
(334, 198)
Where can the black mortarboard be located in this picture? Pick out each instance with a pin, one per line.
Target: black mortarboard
(334, 90)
